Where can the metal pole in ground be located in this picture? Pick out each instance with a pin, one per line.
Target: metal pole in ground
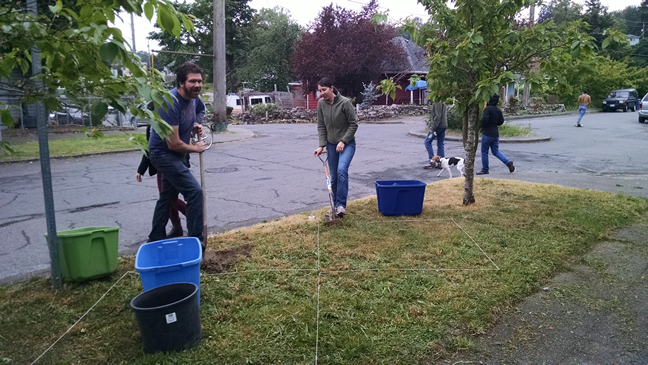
(46, 171)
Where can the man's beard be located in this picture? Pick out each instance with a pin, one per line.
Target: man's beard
(190, 92)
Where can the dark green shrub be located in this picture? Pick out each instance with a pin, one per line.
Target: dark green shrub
(455, 119)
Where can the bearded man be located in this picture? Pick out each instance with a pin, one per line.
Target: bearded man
(171, 156)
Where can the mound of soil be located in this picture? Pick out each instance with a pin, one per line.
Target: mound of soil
(215, 262)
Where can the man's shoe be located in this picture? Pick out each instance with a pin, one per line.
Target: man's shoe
(176, 231)
(341, 212)
(510, 166)
(482, 173)
(578, 125)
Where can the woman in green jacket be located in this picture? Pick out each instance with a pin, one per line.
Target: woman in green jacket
(336, 127)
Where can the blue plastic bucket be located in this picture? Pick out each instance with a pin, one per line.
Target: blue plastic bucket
(175, 260)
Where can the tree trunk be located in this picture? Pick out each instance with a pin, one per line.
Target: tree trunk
(471, 135)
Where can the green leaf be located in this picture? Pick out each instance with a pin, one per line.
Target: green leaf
(100, 111)
(477, 39)
(188, 24)
(108, 52)
(157, 96)
(606, 42)
(54, 9)
(86, 11)
(4, 146)
(7, 119)
(165, 19)
(140, 141)
(148, 10)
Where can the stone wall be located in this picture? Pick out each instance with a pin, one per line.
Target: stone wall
(301, 115)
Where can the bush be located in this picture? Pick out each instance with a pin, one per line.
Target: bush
(261, 109)
(369, 95)
(229, 110)
(455, 120)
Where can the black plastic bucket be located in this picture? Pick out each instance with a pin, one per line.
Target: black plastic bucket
(168, 317)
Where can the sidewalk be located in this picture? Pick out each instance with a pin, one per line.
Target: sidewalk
(593, 313)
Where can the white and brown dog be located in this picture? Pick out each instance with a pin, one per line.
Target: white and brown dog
(446, 163)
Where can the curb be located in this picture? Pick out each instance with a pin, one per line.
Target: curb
(535, 139)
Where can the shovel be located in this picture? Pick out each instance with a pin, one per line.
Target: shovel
(197, 138)
(332, 217)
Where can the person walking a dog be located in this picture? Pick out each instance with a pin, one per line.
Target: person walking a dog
(491, 120)
(438, 123)
(336, 128)
(169, 156)
(584, 101)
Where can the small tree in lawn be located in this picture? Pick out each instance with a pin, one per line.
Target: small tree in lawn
(388, 88)
(477, 46)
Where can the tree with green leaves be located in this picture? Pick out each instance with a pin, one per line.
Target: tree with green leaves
(238, 15)
(476, 46)
(273, 36)
(346, 46)
(596, 15)
(77, 46)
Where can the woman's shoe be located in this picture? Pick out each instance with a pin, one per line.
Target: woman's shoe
(341, 211)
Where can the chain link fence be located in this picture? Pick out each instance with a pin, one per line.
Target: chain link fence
(76, 114)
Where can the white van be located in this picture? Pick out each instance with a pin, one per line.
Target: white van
(236, 102)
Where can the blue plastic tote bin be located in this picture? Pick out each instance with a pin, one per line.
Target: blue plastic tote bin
(400, 197)
(175, 260)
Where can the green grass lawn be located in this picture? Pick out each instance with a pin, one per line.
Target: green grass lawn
(71, 146)
(505, 130)
(470, 263)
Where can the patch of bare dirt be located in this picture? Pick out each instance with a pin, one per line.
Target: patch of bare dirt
(215, 262)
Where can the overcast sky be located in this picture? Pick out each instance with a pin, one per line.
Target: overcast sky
(304, 12)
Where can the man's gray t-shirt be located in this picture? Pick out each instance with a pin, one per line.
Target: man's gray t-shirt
(184, 113)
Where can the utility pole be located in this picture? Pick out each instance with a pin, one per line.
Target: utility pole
(220, 108)
(46, 172)
(527, 86)
(133, 32)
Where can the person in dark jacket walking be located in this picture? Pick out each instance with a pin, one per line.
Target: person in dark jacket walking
(438, 123)
(178, 207)
(490, 122)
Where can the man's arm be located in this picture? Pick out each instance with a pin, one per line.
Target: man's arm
(175, 143)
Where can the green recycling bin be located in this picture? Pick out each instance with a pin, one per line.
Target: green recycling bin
(87, 253)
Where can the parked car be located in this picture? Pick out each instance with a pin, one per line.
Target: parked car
(621, 99)
(642, 110)
(70, 115)
(137, 121)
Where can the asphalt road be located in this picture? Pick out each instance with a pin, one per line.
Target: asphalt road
(275, 174)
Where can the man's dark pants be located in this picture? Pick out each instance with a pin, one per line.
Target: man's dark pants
(176, 178)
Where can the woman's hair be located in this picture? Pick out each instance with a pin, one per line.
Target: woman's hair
(327, 82)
